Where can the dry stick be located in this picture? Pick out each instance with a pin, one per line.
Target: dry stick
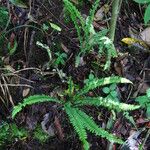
(116, 5)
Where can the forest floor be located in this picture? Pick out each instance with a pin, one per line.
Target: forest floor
(25, 69)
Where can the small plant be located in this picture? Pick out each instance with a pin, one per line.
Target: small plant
(40, 135)
(147, 10)
(88, 38)
(111, 92)
(73, 99)
(144, 101)
(59, 58)
(9, 132)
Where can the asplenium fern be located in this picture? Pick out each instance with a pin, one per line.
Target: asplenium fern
(88, 38)
(73, 107)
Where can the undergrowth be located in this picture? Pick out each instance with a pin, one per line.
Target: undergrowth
(88, 38)
(72, 101)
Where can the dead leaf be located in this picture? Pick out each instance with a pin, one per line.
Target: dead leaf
(75, 1)
(50, 129)
(145, 35)
(101, 12)
(59, 128)
(26, 91)
(64, 48)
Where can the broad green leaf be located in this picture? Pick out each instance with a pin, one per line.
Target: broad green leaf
(142, 1)
(55, 27)
(19, 3)
(147, 14)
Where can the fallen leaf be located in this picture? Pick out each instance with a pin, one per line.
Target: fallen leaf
(101, 12)
(145, 35)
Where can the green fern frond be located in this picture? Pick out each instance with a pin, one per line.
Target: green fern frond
(94, 128)
(90, 19)
(75, 15)
(106, 102)
(77, 124)
(105, 46)
(33, 100)
(101, 82)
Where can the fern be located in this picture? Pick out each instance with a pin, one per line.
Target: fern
(75, 100)
(33, 100)
(87, 38)
(101, 82)
(93, 127)
(77, 124)
(105, 102)
(75, 15)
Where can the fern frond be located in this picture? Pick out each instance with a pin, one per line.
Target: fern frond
(77, 124)
(105, 46)
(75, 15)
(110, 51)
(101, 82)
(33, 100)
(106, 102)
(94, 128)
(90, 18)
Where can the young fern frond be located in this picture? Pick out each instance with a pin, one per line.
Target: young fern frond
(101, 82)
(77, 124)
(90, 125)
(33, 100)
(106, 102)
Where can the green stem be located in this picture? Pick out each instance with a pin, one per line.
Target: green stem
(116, 5)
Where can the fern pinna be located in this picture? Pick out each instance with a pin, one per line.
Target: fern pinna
(88, 38)
(73, 107)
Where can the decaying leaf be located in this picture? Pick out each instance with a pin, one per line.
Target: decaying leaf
(145, 35)
(48, 128)
(101, 12)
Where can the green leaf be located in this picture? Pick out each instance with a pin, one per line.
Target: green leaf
(148, 93)
(89, 123)
(16, 110)
(101, 82)
(106, 90)
(55, 27)
(19, 3)
(33, 100)
(142, 1)
(114, 94)
(143, 100)
(77, 124)
(105, 102)
(148, 111)
(12, 49)
(113, 87)
(147, 14)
